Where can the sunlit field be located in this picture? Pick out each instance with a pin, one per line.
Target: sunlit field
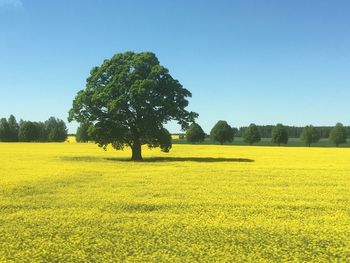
(76, 202)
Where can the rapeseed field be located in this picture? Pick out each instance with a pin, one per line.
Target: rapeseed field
(75, 202)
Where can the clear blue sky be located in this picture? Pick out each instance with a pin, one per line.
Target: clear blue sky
(244, 61)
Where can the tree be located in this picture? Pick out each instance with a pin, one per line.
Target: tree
(338, 134)
(5, 131)
(279, 134)
(195, 133)
(83, 133)
(56, 130)
(251, 135)
(14, 128)
(235, 131)
(222, 132)
(42, 134)
(310, 135)
(128, 99)
(28, 132)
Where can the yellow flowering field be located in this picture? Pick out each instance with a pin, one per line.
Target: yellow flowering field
(75, 202)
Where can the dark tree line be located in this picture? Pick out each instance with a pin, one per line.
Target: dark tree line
(293, 131)
(222, 132)
(52, 130)
(9, 129)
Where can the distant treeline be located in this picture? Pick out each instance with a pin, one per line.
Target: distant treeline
(222, 133)
(52, 130)
(293, 131)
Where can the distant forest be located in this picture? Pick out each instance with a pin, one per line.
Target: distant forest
(293, 131)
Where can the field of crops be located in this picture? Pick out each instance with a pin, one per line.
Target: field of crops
(75, 202)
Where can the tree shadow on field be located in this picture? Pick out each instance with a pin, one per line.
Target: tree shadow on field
(158, 159)
(187, 159)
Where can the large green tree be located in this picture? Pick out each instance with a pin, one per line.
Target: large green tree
(222, 132)
(195, 133)
(279, 134)
(251, 134)
(82, 134)
(310, 135)
(128, 99)
(338, 134)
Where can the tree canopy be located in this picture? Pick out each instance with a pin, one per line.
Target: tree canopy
(338, 134)
(56, 130)
(9, 129)
(29, 131)
(251, 135)
(128, 99)
(279, 134)
(310, 135)
(82, 134)
(4, 130)
(195, 133)
(52, 130)
(222, 132)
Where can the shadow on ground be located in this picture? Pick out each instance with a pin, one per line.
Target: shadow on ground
(158, 159)
(188, 159)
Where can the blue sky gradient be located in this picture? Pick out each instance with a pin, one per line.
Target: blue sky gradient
(244, 61)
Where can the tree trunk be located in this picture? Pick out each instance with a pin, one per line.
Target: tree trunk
(136, 152)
